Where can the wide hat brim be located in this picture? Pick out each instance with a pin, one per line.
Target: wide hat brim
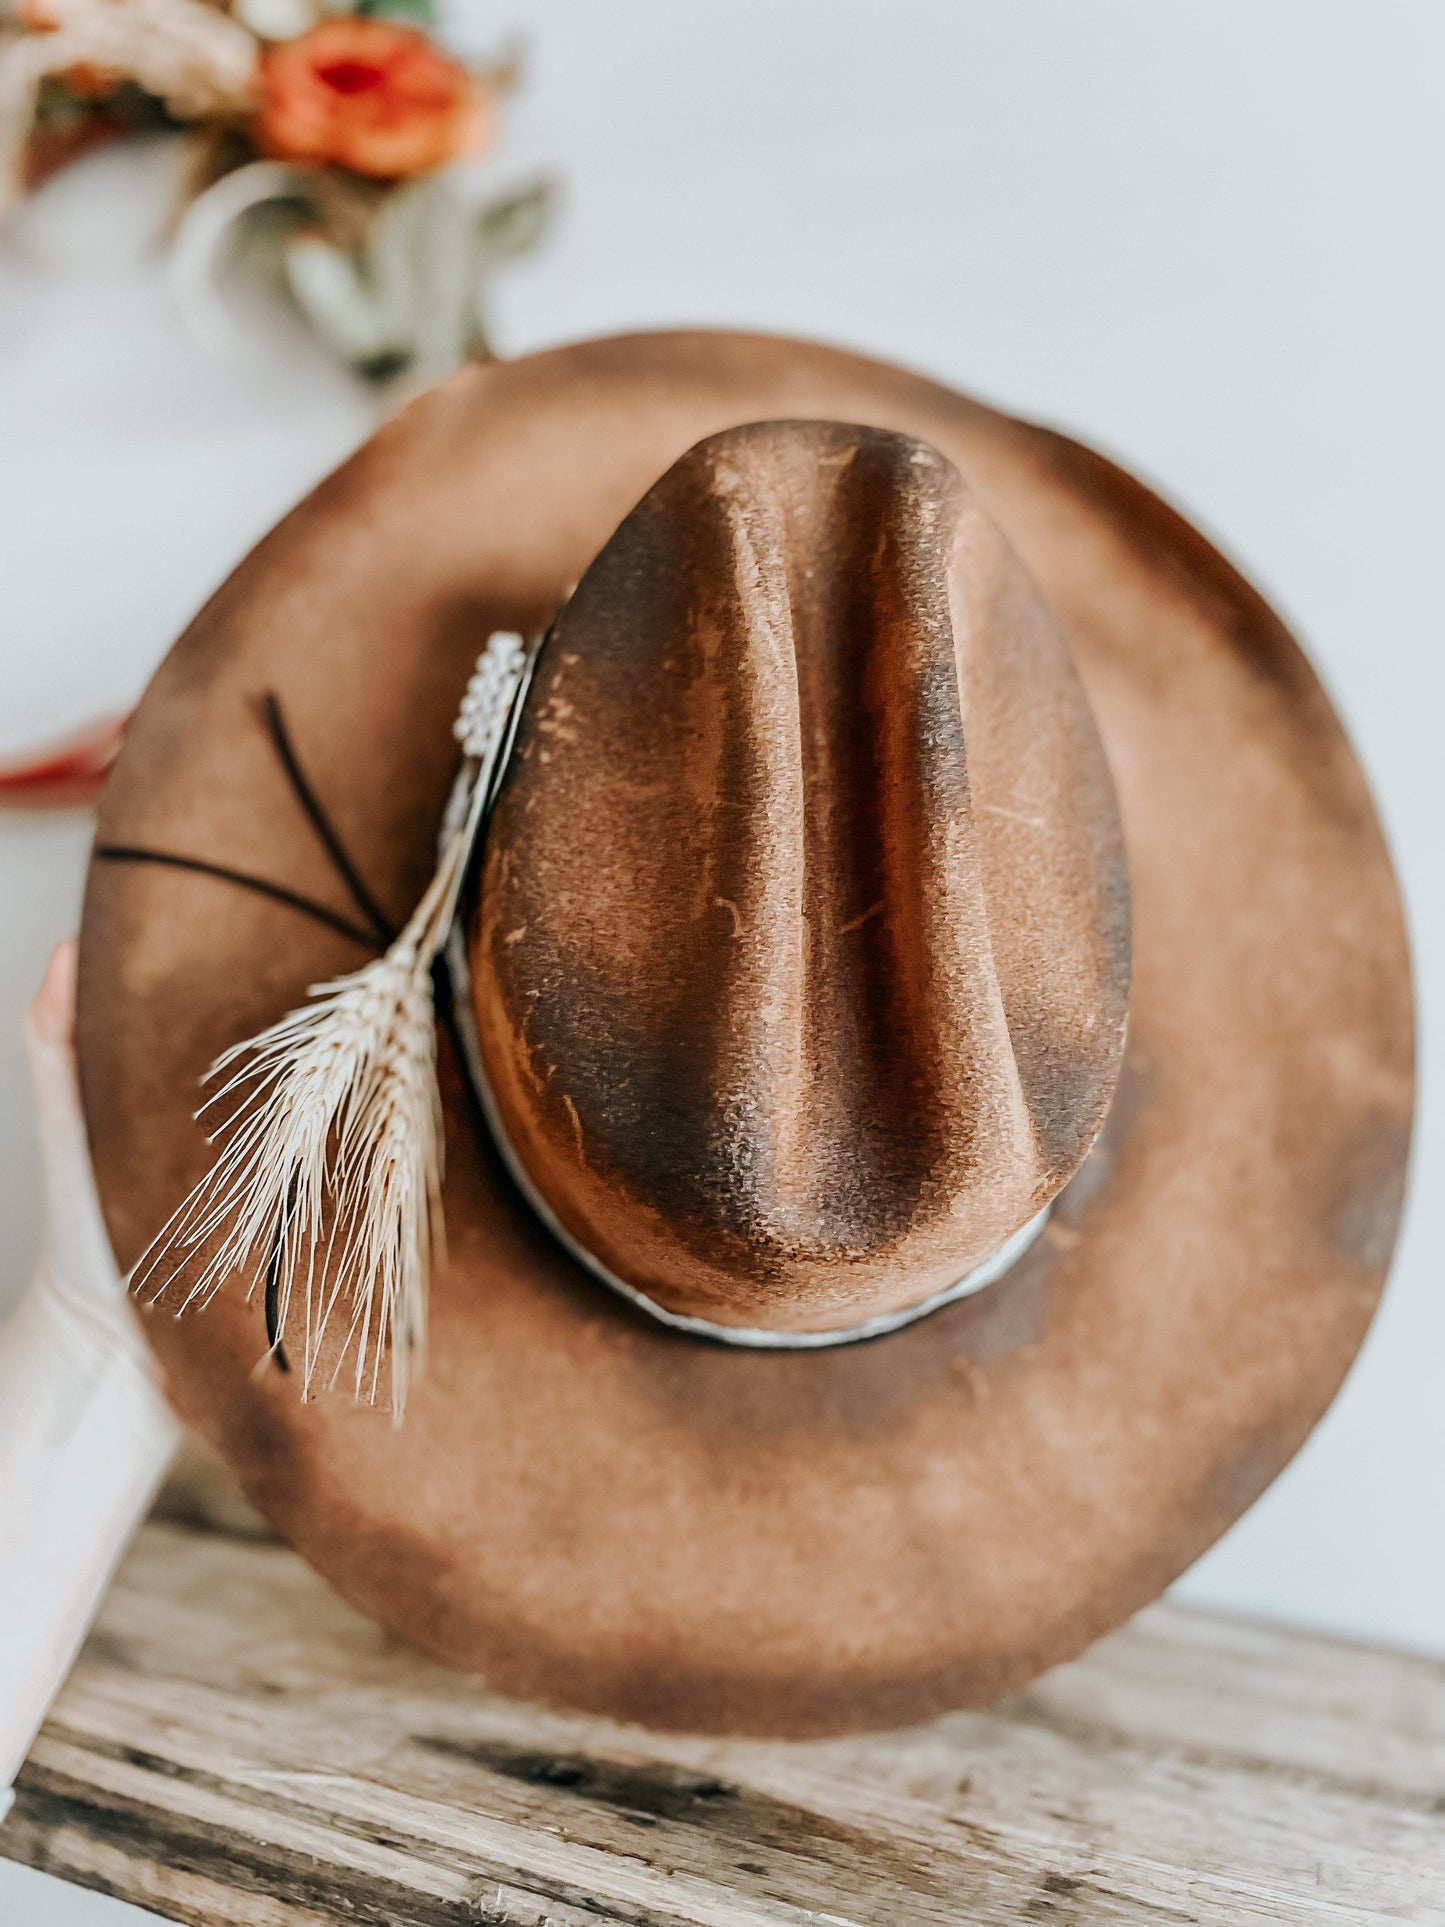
(585, 1507)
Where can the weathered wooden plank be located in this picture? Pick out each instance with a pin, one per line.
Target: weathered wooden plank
(236, 1746)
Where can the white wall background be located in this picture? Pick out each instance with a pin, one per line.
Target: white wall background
(1207, 237)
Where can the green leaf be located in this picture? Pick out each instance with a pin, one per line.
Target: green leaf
(332, 289)
(416, 13)
(512, 226)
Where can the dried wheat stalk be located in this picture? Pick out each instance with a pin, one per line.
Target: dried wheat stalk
(328, 1178)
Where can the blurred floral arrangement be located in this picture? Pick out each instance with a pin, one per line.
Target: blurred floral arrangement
(323, 136)
(323, 141)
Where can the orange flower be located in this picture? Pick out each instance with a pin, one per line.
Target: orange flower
(88, 82)
(368, 95)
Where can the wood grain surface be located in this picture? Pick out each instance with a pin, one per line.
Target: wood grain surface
(238, 1746)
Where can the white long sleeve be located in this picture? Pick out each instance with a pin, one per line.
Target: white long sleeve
(85, 1435)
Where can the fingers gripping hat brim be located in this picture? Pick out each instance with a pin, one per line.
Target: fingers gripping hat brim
(581, 1505)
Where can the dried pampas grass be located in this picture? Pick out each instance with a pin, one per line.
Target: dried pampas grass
(328, 1178)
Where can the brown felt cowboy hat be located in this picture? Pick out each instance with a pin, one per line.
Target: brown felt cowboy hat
(860, 1291)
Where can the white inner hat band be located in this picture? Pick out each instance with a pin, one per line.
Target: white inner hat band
(749, 1337)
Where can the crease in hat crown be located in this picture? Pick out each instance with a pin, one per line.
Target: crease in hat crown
(799, 963)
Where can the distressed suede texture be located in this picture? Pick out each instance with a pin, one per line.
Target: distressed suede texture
(802, 958)
(582, 1506)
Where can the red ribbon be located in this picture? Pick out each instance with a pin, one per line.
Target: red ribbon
(67, 775)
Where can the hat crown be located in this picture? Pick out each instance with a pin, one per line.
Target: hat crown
(801, 956)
